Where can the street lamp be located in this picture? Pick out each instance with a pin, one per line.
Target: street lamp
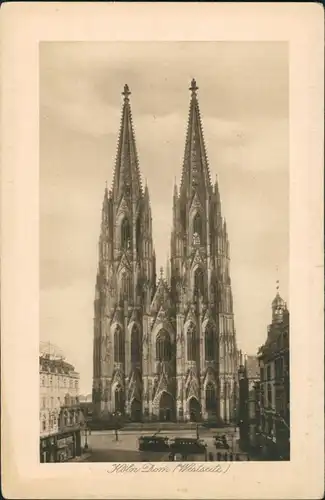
(87, 432)
(116, 416)
(197, 426)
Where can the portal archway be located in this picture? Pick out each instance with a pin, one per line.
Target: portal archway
(136, 411)
(166, 407)
(194, 410)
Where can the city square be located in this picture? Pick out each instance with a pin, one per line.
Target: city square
(102, 446)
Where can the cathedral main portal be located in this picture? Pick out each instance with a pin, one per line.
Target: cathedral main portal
(136, 412)
(194, 410)
(166, 408)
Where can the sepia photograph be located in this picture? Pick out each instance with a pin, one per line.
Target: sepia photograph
(162, 250)
(164, 239)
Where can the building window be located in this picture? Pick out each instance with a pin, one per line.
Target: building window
(76, 384)
(209, 344)
(210, 397)
(262, 374)
(125, 234)
(163, 346)
(197, 225)
(135, 345)
(126, 286)
(119, 399)
(269, 395)
(191, 343)
(199, 282)
(118, 346)
(138, 234)
(43, 425)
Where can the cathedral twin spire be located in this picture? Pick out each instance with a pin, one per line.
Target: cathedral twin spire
(195, 173)
(195, 178)
(127, 179)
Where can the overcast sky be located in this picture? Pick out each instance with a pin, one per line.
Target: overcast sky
(243, 96)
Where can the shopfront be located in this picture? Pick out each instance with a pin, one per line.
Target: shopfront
(48, 449)
(60, 447)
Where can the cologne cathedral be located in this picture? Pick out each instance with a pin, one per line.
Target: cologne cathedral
(164, 347)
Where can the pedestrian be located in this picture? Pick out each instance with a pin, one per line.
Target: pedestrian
(211, 458)
(219, 456)
(116, 434)
(237, 457)
(231, 458)
(226, 457)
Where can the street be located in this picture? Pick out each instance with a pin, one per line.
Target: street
(103, 446)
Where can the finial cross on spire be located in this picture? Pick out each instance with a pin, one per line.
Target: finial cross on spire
(193, 87)
(126, 92)
(161, 272)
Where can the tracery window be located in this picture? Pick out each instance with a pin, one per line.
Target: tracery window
(163, 346)
(125, 233)
(135, 345)
(209, 344)
(191, 343)
(199, 281)
(125, 286)
(210, 397)
(138, 235)
(118, 346)
(197, 225)
(119, 399)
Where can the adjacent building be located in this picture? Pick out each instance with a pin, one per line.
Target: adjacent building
(249, 376)
(60, 415)
(273, 410)
(164, 348)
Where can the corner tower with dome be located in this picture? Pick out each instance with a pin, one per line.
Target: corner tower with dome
(164, 349)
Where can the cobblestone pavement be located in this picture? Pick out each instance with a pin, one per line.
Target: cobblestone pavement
(104, 447)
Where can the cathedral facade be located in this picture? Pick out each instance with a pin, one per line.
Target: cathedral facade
(164, 346)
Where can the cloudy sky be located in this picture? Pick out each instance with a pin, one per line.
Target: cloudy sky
(243, 95)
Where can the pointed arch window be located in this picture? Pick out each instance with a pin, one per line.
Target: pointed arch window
(125, 286)
(135, 345)
(191, 343)
(125, 233)
(197, 225)
(210, 397)
(118, 346)
(138, 235)
(199, 282)
(119, 399)
(209, 344)
(163, 346)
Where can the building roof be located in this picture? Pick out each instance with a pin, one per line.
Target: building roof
(46, 364)
(278, 301)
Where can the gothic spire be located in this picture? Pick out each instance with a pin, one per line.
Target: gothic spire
(195, 173)
(126, 179)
